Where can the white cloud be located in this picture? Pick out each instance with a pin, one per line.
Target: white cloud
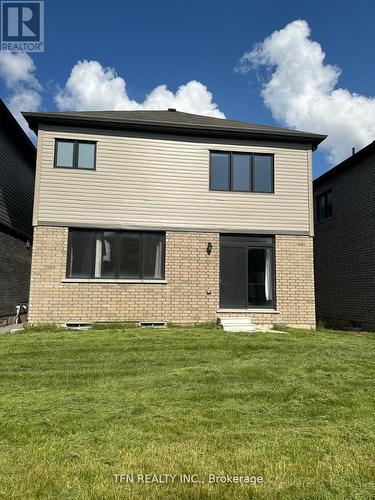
(93, 87)
(17, 70)
(194, 97)
(300, 90)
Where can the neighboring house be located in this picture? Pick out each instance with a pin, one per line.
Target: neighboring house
(17, 170)
(345, 242)
(169, 216)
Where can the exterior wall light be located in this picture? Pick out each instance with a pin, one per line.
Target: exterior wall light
(209, 247)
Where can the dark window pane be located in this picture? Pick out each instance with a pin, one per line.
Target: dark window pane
(64, 155)
(113, 254)
(153, 256)
(233, 279)
(321, 207)
(263, 173)
(105, 257)
(324, 206)
(260, 277)
(81, 254)
(86, 155)
(240, 172)
(129, 255)
(219, 171)
(246, 271)
(329, 204)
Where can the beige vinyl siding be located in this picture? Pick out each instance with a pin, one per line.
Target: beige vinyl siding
(153, 181)
(310, 193)
(38, 171)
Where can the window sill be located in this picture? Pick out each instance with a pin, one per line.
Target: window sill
(74, 169)
(261, 311)
(239, 191)
(113, 282)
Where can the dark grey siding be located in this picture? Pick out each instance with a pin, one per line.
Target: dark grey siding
(17, 171)
(345, 246)
(15, 266)
(17, 168)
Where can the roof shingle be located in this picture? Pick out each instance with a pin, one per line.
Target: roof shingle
(171, 121)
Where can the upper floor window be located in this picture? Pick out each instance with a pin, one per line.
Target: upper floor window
(324, 206)
(75, 154)
(249, 172)
(116, 254)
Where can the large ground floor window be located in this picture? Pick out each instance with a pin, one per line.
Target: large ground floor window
(115, 254)
(247, 273)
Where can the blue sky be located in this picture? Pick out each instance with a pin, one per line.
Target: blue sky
(173, 42)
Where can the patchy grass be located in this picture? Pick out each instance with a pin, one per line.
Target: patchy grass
(296, 408)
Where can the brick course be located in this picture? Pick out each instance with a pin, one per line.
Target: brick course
(295, 300)
(15, 265)
(344, 247)
(190, 274)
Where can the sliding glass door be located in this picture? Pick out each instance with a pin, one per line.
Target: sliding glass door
(260, 277)
(246, 272)
(233, 282)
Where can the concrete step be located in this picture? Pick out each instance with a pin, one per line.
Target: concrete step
(239, 324)
(12, 328)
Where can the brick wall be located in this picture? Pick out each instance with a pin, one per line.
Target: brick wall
(190, 274)
(15, 264)
(295, 286)
(344, 247)
(295, 301)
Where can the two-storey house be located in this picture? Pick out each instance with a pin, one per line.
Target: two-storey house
(17, 171)
(169, 216)
(345, 242)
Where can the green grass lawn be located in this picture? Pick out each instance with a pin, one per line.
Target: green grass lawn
(296, 408)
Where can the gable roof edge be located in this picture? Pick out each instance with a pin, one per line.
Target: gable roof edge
(344, 165)
(77, 120)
